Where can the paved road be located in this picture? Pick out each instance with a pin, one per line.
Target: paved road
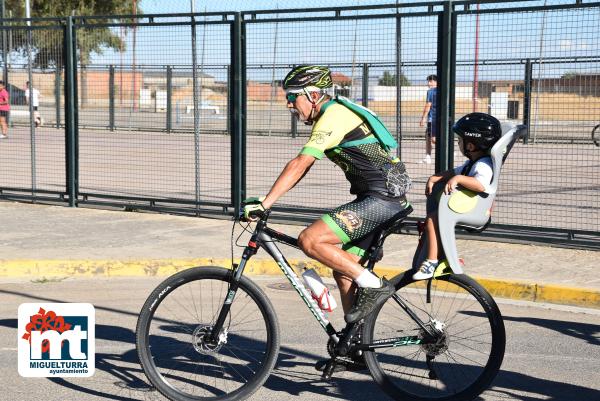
(552, 353)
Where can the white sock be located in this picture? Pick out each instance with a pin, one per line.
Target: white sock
(367, 279)
(432, 260)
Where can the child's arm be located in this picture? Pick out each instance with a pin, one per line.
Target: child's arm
(443, 176)
(467, 182)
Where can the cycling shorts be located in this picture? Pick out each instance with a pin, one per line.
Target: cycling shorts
(356, 223)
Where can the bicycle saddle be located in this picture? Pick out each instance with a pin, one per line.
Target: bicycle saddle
(391, 227)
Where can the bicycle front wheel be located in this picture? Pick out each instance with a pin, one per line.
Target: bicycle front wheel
(468, 346)
(172, 337)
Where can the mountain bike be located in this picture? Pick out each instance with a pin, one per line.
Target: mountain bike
(210, 333)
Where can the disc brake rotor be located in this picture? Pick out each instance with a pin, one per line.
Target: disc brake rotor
(201, 343)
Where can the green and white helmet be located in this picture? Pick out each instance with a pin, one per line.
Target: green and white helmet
(308, 77)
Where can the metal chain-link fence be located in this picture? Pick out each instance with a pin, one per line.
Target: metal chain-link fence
(149, 144)
(32, 156)
(187, 111)
(542, 68)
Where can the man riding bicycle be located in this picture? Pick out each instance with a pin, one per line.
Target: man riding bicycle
(353, 138)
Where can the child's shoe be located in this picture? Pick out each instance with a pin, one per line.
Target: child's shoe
(426, 270)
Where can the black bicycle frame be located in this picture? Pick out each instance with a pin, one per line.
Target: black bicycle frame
(266, 238)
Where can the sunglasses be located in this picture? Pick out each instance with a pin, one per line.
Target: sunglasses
(291, 97)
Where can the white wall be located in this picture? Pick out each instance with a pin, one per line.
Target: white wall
(409, 93)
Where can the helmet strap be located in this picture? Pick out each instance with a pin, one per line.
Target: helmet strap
(313, 111)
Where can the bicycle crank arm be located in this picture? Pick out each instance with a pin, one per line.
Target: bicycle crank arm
(345, 343)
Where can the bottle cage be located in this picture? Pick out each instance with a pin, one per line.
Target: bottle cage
(469, 210)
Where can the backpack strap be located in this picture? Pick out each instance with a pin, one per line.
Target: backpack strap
(385, 138)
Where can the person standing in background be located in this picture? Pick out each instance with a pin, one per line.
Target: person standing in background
(4, 110)
(35, 103)
(429, 117)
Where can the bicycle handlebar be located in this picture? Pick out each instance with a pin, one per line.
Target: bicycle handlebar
(261, 216)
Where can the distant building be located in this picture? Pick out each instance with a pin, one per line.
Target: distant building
(264, 91)
(341, 83)
(157, 79)
(578, 84)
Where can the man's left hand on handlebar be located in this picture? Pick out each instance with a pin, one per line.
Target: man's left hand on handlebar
(253, 208)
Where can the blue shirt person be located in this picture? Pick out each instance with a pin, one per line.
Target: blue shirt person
(429, 117)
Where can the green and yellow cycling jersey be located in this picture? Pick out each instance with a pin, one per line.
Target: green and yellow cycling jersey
(347, 140)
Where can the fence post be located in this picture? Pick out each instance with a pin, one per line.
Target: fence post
(111, 97)
(452, 92)
(57, 80)
(294, 123)
(32, 125)
(4, 45)
(196, 117)
(169, 94)
(527, 98)
(398, 84)
(365, 85)
(229, 106)
(70, 113)
(445, 40)
(237, 114)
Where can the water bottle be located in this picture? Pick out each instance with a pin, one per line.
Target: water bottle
(319, 290)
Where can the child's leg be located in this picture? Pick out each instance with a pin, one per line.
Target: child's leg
(438, 244)
(428, 266)
(432, 242)
(433, 237)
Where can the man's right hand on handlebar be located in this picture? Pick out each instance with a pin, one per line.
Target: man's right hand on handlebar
(254, 209)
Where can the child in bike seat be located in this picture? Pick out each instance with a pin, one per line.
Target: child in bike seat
(477, 134)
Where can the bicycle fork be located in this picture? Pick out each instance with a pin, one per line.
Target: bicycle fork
(236, 274)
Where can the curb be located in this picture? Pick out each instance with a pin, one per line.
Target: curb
(49, 270)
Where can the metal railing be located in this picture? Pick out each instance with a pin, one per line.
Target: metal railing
(185, 112)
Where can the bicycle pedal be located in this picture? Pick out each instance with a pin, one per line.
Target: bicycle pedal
(329, 370)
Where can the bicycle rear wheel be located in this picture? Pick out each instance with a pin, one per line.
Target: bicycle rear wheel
(469, 347)
(172, 331)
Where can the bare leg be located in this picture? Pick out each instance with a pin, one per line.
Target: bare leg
(431, 227)
(3, 125)
(320, 243)
(347, 289)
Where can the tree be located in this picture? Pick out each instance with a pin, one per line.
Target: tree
(570, 75)
(389, 79)
(47, 45)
